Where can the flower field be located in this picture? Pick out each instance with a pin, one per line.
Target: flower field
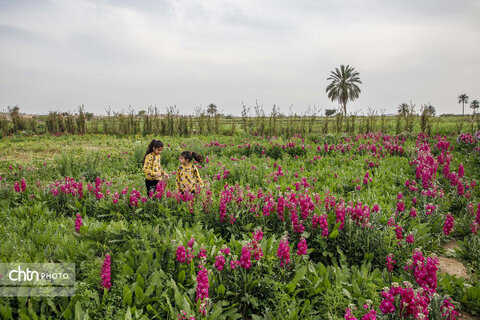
(310, 227)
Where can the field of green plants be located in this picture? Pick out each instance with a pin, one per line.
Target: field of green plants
(310, 227)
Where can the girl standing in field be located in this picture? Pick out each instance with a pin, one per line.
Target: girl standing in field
(151, 165)
(188, 176)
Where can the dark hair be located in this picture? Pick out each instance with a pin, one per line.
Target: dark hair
(189, 155)
(153, 144)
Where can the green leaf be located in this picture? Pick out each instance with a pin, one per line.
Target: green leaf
(140, 281)
(181, 276)
(221, 290)
(298, 276)
(127, 270)
(128, 314)
(334, 234)
(127, 296)
(78, 311)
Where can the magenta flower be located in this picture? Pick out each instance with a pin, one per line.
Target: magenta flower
(105, 273)
(245, 258)
(202, 284)
(202, 254)
(302, 247)
(410, 239)
(349, 315)
(181, 254)
(400, 206)
(283, 252)
(78, 222)
(448, 310)
(191, 242)
(449, 223)
(413, 212)
(219, 262)
(461, 170)
(390, 263)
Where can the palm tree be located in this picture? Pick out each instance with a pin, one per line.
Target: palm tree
(431, 110)
(212, 109)
(463, 98)
(403, 109)
(344, 85)
(474, 105)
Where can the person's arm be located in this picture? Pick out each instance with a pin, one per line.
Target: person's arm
(148, 165)
(178, 177)
(161, 173)
(198, 179)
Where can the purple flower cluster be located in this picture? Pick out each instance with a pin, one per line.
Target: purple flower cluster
(105, 273)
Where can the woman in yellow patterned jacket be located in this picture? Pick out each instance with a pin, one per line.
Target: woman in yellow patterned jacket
(188, 177)
(151, 165)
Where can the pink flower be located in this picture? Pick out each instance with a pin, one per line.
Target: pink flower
(202, 287)
(234, 264)
(258, 235)
(78, 222)
(448, 225)
(105, 273)
(219, 262)
(202, 254)
(399, 232)
(413, 212)
(302, 247)
(448, 310)
(461, 170)
(191, 242)
(283, 252)
(410, 239)
(390, 263)
(245, 258)
(349, 315)
(181, 254)
(400, 206)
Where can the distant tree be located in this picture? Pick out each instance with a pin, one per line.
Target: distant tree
(431, 110)
(474, 105)
(344, 86)
(330, 112)
(141, 113)
(211, 109)
(463, 98)
(403, 109)
(89, 116)
(17, 119)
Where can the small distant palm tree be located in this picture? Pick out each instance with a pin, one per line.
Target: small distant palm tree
(431, 110)
(403, 109)
(474, 105)
(463, 98)
(212, 109)
(344, 85)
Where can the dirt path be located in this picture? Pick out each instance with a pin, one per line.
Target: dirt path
(465, 316)
(452, 266)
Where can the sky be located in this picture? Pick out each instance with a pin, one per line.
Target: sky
(56, 55)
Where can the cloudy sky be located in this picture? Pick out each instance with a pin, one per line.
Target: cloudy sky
(58, 54)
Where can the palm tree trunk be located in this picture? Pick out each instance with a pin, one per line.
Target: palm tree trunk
(345, 109)
(463, 108)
